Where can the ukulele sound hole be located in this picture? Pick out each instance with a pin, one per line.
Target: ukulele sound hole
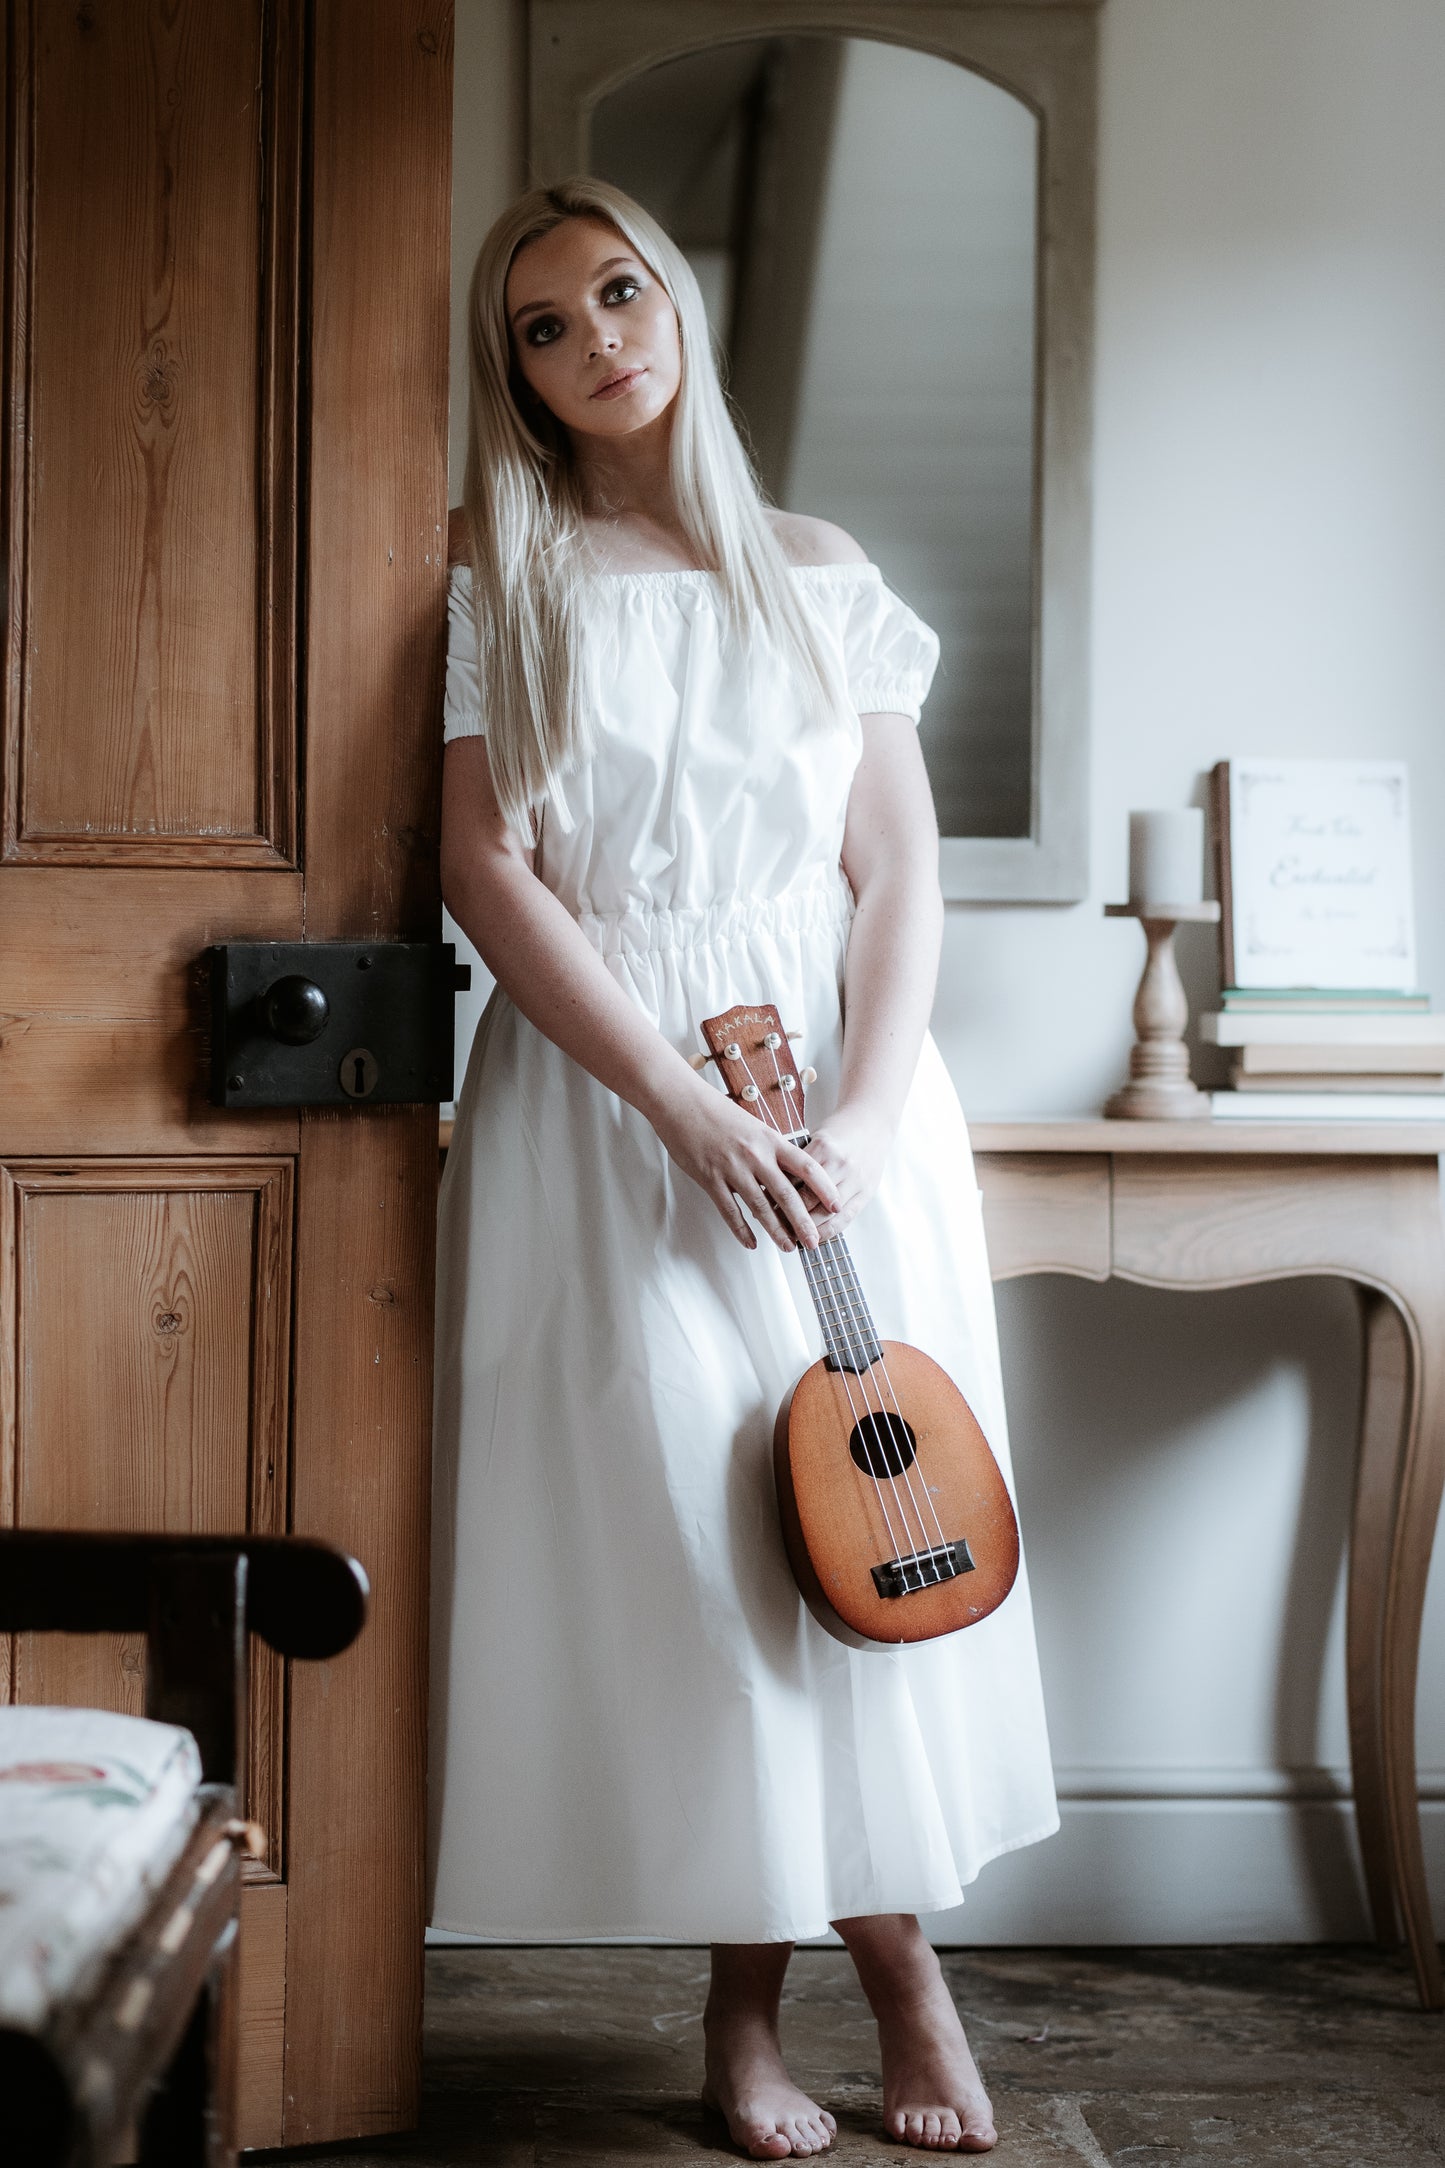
(883, 1445)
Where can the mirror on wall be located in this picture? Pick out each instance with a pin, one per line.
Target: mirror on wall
(863, 220)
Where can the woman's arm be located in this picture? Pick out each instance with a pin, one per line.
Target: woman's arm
(890, 855)
(536, 951)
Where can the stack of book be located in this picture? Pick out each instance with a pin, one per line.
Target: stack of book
(1320, 1012)
(1306, 1053)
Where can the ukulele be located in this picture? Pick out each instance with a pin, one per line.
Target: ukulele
(897, 1520)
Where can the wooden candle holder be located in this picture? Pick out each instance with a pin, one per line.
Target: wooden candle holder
(1159, 1087)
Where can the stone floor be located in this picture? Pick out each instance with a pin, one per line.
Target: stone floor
(1114, 2058)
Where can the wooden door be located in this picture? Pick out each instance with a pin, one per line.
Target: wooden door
(224, 505)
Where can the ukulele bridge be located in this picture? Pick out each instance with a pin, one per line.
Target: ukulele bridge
(923, 1569)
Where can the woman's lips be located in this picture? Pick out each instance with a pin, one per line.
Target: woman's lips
(614, 386)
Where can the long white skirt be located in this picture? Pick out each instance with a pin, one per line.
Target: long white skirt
(637, 1727)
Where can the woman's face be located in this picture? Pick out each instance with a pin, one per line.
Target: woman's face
(594, 333)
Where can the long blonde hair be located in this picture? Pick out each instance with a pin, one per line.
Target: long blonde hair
(524, 513)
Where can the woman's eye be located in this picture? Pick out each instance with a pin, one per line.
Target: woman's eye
(543, 330)
(623, 289)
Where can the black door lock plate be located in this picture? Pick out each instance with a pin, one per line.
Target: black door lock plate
(332, 1023)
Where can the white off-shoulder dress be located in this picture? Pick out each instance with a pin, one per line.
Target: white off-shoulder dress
(637, 1729)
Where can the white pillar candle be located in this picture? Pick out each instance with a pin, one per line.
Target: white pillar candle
(1166, 857)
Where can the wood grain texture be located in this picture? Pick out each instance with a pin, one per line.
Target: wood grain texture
(376, 658)
(1385, 1413)
(1045, 1214)
(1211, 1223)
(9, 1230)
(102, 1012)
(838, 1523)
(154, 157)
(151, 1323)
(380, 250)
(152, 686)
(365, 1253)
(1231, 1139)
(261, 1993)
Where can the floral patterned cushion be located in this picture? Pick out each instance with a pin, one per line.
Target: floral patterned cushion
(94, 1811)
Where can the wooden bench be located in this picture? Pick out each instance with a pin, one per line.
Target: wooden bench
(121, 1847)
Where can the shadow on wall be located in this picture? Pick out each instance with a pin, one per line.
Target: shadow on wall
(1185, 1467)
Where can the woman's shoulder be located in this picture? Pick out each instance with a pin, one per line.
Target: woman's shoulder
(807, 541)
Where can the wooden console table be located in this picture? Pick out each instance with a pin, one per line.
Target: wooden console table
(1201, 1204)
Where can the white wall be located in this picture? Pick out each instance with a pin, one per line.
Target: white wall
(1269, 562)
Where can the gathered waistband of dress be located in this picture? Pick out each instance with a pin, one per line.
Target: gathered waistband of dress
(824, 899)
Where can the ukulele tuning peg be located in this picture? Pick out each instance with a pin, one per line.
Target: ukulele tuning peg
(750, 1092)
(810, 1075)
(699, 1061)
(732, 1051)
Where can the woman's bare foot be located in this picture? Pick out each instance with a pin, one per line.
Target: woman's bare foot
(933, 2096)
(745, 2079)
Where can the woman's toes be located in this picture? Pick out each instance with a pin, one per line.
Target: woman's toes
(828, 2122)
(767, 2142)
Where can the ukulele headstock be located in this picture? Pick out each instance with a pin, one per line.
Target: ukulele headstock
(756, 1064)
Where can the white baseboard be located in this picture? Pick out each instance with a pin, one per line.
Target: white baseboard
(1184, 1856)
(1185, 1870)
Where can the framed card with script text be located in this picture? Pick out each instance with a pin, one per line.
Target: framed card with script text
(1314, 873)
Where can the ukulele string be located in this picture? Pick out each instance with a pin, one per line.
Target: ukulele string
(848, 1273)
(827, 1314)
(862, 1339)
(845, 1280)
(857, 1347)
(838, 1248)
(841, 1364)
(842, 1355)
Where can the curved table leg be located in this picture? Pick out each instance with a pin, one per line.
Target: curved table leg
(1422, 1481)
(1400, 1481)
(1383, 1412)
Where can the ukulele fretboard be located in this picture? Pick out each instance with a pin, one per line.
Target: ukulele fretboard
(849, 1335)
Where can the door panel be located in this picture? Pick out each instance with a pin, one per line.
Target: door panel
(150, 715)
(102, 1012)
(166, 1268)
(151, 1319)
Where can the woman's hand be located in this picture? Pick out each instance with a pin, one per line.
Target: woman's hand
(852, 1145)
(740, 1162)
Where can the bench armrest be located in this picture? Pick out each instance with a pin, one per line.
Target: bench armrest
(304, 1597)
(195, 1598)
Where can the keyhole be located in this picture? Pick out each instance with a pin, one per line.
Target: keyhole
(359, 1072)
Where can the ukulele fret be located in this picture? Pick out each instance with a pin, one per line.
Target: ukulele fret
(905, 1576)
(852, 1343)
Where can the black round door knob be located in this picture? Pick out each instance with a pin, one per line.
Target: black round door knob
(295, 1010)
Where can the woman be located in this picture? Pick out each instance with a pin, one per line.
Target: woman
(682, 771)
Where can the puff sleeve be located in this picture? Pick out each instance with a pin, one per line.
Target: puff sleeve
(462, 711)
(889, 653)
